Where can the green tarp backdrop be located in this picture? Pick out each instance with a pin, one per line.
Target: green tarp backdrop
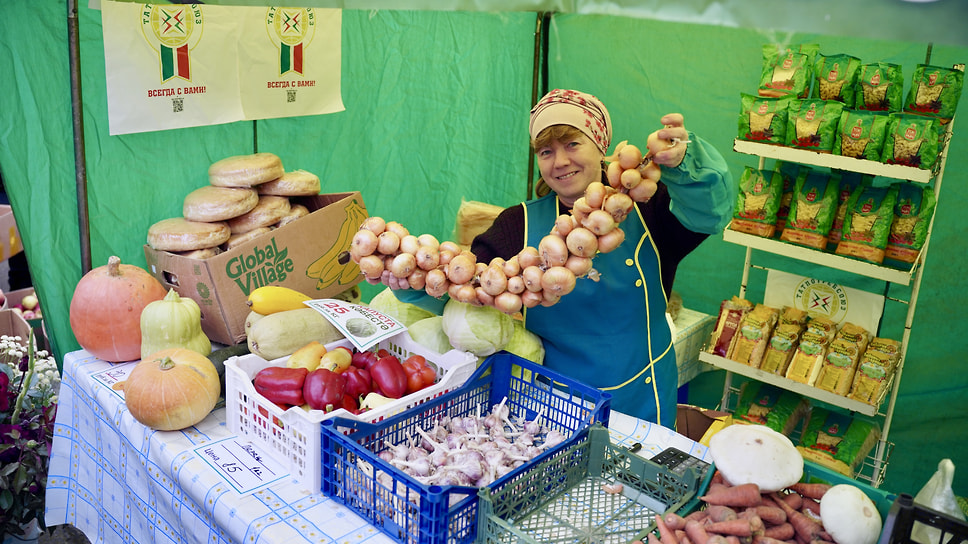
(436, 112)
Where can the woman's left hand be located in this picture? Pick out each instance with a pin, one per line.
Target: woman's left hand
(667, 146)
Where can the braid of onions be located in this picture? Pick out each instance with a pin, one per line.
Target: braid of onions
(533, 277)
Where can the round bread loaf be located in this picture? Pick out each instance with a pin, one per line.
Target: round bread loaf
(180, 234)
(245, 170)
(211, 203)
(296, 183)
(236, 240)
(267, 212)
(295, 212)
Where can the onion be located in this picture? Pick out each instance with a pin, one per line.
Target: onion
(528, 256)
(512, 267)
(445, 255)
(409, 244)
(553, 250)
(364, 243)
(582, 242)
(618, 205)
(483, 297)
(629, 156)
(611, 240)
(402, 265)
(417, 278)
(557, 280)
(516, 285)
(427, 257)
(508, 302)
(530, 299)
(599, 222)
(428, 240)
(436, 283)
(651, 171)
(464, 292)
(549, 299)
(595, 194)
(374, 224)
(389, 242)
(613, 172)
(532, 278)
(448, 245)
(579, 266)
(564, 224)
(372, 266)
(461, 269)
(644, 191)
(493, 280)
(581, 207)
(396, 228)
(631, 179)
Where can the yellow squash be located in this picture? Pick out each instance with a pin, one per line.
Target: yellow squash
(270, 299)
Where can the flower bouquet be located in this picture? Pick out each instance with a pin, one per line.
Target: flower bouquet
(29, 383)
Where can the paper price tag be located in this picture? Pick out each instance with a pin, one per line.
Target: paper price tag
(111, 377)
(244, 466)
(362, 325)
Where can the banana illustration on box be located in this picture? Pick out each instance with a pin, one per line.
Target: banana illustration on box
(331, 267)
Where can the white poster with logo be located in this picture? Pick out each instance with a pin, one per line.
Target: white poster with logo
(292, 63)
(820, 298)
(177, 66)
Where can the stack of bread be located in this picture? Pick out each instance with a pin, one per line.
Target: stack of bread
(247, 196)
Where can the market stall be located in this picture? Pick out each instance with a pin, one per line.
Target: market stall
(404, 138)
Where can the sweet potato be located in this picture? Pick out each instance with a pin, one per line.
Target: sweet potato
(811, 491)
(674, 521)
(719, 512)
(742, 495)
(770, 514)
(737, 527)
(805, 528)
(696, 532)
(782, 531)
(666, 535)
(810, 505)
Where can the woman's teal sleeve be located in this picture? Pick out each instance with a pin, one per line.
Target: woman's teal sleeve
(701, 188)
(422, 300)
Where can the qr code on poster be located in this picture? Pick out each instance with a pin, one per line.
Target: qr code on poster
(177, 104)
(290, 96)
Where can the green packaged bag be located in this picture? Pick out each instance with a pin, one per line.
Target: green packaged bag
(860, 134)
(762, 119)
(867, 223)
(935, 91)
(812, 209)
(911, 140)
(909, 227)
(880, 87)
(836, 78)
(757, 202)
(787, 71)
(812, 124)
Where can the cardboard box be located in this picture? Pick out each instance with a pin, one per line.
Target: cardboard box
(699, 424)
(10, 243)
(303, 255)
(13, 324)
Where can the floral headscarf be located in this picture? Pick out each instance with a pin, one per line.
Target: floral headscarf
(575, 108)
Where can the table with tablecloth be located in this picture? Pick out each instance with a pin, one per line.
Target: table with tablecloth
(119, 481)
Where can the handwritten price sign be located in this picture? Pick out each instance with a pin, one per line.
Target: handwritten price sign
(241, 464)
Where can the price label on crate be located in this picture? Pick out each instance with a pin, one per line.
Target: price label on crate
(240, 463)
(360, 324)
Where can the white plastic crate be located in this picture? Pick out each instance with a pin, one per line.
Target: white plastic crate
(295, 433)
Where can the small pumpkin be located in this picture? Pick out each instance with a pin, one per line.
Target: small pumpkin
(105, 311)
(173, 322)
(172, 389)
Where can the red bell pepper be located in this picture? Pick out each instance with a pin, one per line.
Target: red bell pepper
(350, 404)
(281, 385)
(324, 389)
(389, 378)
(363, 359)
(419, 373)
(358, 382)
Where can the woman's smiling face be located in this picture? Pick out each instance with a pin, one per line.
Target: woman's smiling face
(568, 166)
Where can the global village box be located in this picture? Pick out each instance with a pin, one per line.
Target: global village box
(304, 255)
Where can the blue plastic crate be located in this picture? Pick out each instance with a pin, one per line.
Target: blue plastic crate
(408, 511)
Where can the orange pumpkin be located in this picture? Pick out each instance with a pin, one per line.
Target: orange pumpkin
(106, 309)
(172, 389)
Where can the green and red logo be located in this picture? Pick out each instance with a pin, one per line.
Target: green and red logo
(172, 31)
(291, 30)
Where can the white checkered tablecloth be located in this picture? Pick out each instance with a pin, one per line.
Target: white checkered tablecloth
(119, 481)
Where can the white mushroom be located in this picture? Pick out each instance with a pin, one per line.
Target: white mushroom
(756, 454)
(849, 515)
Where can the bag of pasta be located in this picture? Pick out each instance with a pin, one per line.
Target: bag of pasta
(935, 91)
(909, 227)
(757, 202)
(763, 120)
(867, 223)
(848, 182)
(812, 209)
(880, 87)
(836, 78)
(812, 124)
(860, 134)
(787, 71)
(911, 140)
(788, 174)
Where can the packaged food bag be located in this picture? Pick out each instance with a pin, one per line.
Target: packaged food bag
(875, 370)
(753, 336)
(836, 78)
(837, 441)
(847, 183)
(935, 91)
(757, 202)
(787, 71)
(909, 227)
(788, 174)
(867, 223)
(910, 140)
(783, 343)
(763, 120)
(766, 404)
(812, 209)
(731, 314)
(880, 87)
(812, 124)
(860, 134)
(809, 355)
